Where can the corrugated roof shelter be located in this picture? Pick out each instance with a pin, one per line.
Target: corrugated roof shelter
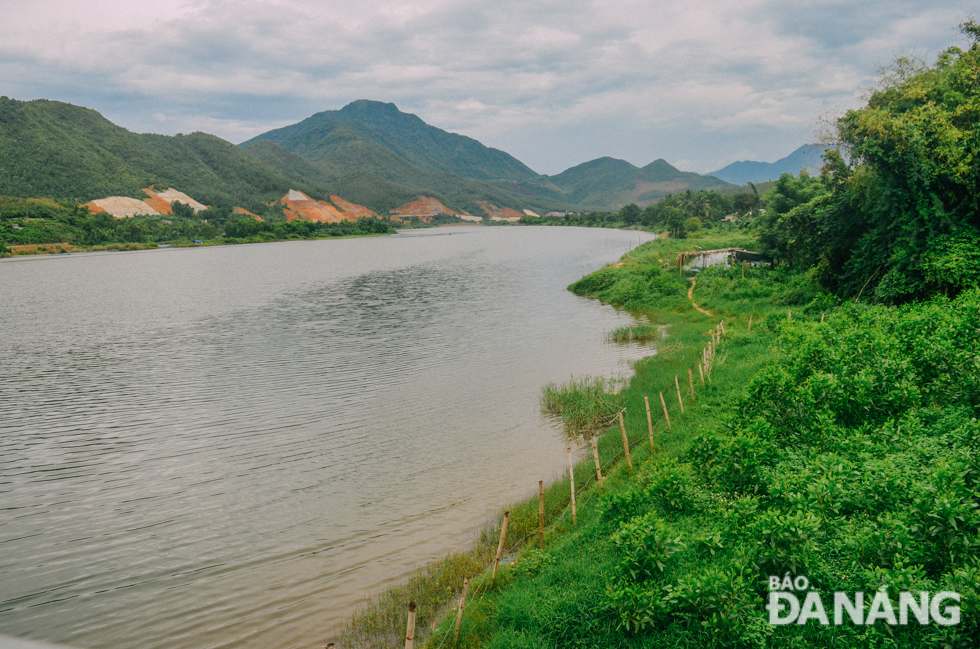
(705, 258)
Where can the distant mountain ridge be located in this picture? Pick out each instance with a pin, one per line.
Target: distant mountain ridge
(808, 156)
(370, 153)
(610, 182)
(58, 150)
(427, 147)
(375, 153)
(383, 158)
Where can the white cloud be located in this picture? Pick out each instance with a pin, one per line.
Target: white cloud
(554, 83)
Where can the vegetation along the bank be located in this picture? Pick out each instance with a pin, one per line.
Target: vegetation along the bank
(834, 435)
(31, 225)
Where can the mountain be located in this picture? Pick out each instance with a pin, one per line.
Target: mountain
(609, 183)
(403, 135)
(806, 157)
(370, 153)
(376, 155)
(57, 150)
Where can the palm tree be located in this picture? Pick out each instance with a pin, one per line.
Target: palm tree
(696, 204)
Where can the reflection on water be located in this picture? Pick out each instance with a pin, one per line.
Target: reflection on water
(235, 446)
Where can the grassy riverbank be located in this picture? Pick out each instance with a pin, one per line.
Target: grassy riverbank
(835, 442)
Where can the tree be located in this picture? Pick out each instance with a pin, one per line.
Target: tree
(630, 214)
(674, 220)
(744, 202)
(898, 217)
(693, 226)
(182, 210)
(918, 186)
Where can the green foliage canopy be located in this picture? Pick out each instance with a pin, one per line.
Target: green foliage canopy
(906, 218)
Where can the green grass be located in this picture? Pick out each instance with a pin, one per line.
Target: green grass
(561, 603)
(844, 449)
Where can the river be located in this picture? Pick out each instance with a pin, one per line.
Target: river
(234, 446)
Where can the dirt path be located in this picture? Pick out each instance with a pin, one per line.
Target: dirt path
(690, 296)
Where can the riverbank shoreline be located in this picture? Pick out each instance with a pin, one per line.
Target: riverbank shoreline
(436, 588)
(791, 433)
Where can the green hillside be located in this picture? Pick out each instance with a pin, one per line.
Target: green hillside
(404, 135)
(367, 152)
(57, 150)
(369, 140)
(365, 171)
(609, 183)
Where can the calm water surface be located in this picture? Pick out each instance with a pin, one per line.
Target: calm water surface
(234, 446)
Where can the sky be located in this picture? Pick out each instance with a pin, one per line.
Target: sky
(700, 83)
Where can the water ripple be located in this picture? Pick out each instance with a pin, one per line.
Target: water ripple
(234, 446)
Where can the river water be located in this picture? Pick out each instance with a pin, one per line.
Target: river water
(235, 446)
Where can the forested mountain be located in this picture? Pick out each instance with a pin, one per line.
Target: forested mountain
(373, 140)
(370, 174)
(368, 152)
(382, 158)
(611, 183)
(749, 171)
(402, 135)
(57, 150)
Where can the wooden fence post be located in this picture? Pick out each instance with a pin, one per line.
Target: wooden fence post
(690, 380)
(646, 402)
(410, 631)
(541, 514)
(701, 372)
(459, 611)
(626, 442)
(598, 469)
(571, 479)
(723, 330)
(500, 545)
(677, 384)
(664, 404)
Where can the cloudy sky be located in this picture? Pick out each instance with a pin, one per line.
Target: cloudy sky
(700, 83)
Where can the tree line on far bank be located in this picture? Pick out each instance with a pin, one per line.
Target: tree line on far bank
(680, 215)
(28, 221)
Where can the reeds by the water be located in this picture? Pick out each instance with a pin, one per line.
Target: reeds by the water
(583, 406)
(641, 332)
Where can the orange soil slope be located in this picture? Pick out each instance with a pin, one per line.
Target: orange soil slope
(161, 200)
(297, 205)
(121, 207)
(353, 211)
(500, 212)
(242, 210)
(424, 206)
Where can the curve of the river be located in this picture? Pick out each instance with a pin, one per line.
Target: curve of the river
(234, 446)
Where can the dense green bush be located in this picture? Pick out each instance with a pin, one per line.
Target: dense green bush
(631, 288)
(853, 459)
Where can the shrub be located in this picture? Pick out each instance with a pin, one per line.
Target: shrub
(645, 545)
